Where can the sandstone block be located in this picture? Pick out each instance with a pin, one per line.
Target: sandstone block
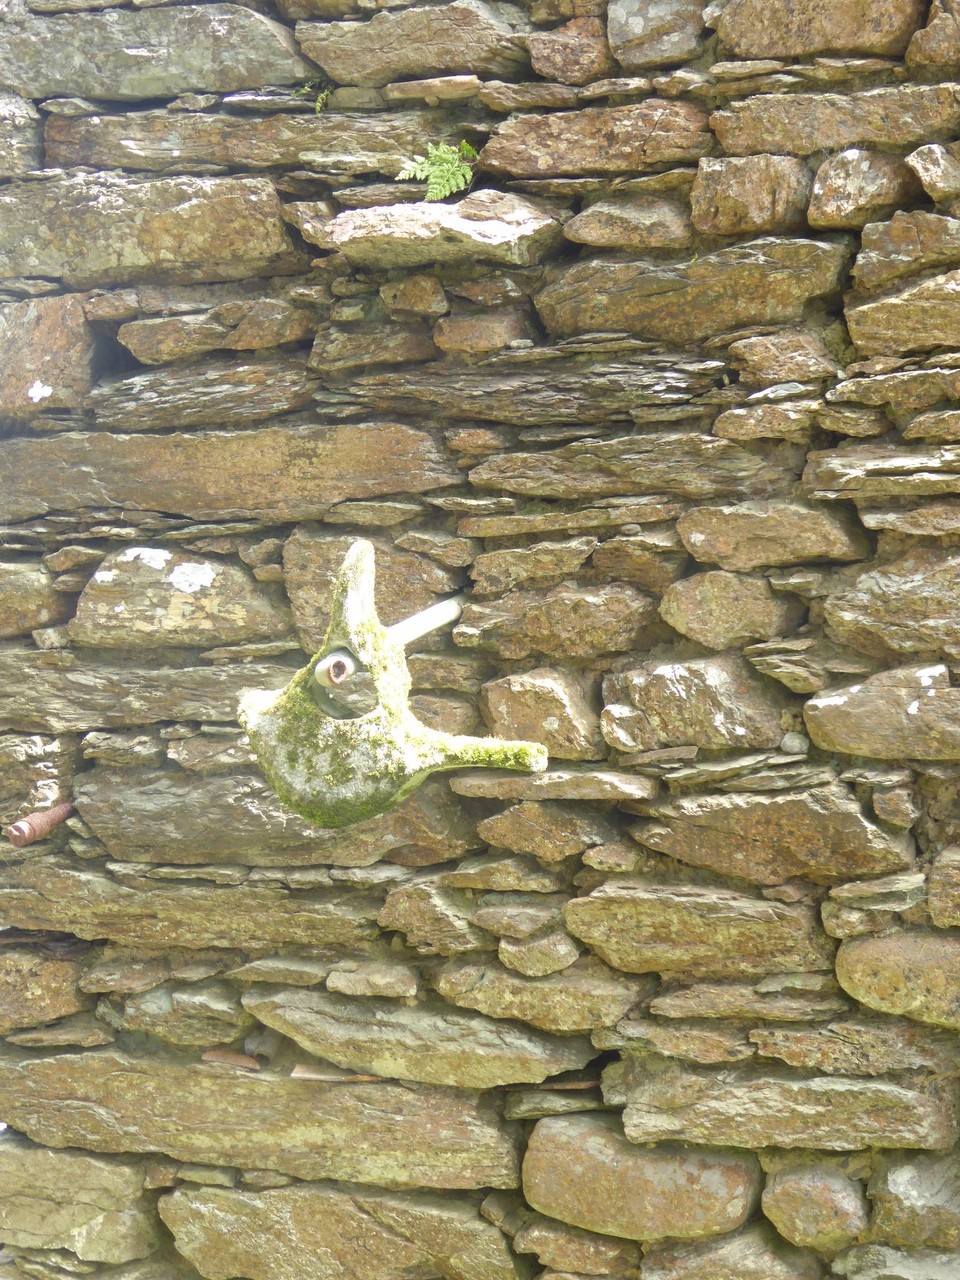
(598, 140)
(917, 318)
(798, 28)
(466, 36)
(752, 535)
(816, 1208)
(906, 245)
(937, 45)
(654, 35)
(581, 1170)
(36, 988)
(727, 610)
(756, 1253)
(908, 712)
(575, 53)
(916, 1201)
(49, 354)
(21, 136)
(632, 222)
(913, 972)
(857, 187)
(547, 705)
(744, 194)
(494, 572)
(549, 830)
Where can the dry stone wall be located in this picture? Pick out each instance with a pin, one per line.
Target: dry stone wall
(673, 392)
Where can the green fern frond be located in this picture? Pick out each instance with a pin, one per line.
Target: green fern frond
(444, 169)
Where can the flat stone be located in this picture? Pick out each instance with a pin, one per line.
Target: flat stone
(802, 123)
(643, 35)
(502, 872)
(788, 420)
(28, 599)
(917, 318)
(548, 830)
(50, 352)
(497, 95)
(943, 888)
(861, 1046)
(465, 37)
(684, 465)
(36, 987)
(757, 1105)
(400, 1136)
(148, 53)
(705, 702)
(724, 610)
(493, 226)
(581, 1170)
(642, 559)
(218, 474)
(695, 931)
(743, 194)
(198, 1015)
(790, 355)
(585, 995)
(632, 222)
(753, 535)
(936, 45)
(626, 139)
(437, 88)
(871, 473)
(548, 705)
(21, 136)
(615, 785)
(240, 326)
(436, 919)
(908, 605)
(67, 1200)
(916, 1201)
(908, 712)
(905, 245)
(575, 53)
(786, 29)
(910, 971)
(816, 1208)
(176, 229)
(494, 572)
(760, 282)
(791, 998)
(378, 978)
(756, 1253)
(329, 1232)
(481, 332)
(557, 1244)
(856, 187)
(564, 621)
(822, 834)
(938, 168)
(874, 1262)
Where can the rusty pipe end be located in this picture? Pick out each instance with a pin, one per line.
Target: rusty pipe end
(35, 826)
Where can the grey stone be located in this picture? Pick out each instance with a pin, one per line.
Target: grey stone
(916, 1201)
(874, 1262)
(654, 35)
(789, 998)
(557, 1244)
(938, 168)
(543, 563)
(28, 599)
(725, 610)
(756, 1253)
(860, 1046)
(21, 136)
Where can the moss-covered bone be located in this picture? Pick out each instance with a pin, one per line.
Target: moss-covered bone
(338, 771)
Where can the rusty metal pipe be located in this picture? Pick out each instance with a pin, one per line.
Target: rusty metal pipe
(37, 825)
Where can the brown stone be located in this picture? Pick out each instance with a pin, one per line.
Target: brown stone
(816, 1208)
(435, 919)
(783, 998)
(551, 706)
(916, 1201)
(494, 572)
(36, 987)
(467, 36)
(756, 1253)
(789, 420)
(557, 1244)
(571, 783)
(598, 140)
(856, 187)
(761, 282)
(581, 1170)
(726, 610)
(913, 972)
(938, 168)
(482, 332)
(696, 931)
(791, 355)
(632, 222)
(752, 535)
(802, 123)
(648, 560)
(871, 473)
(937, 45)
(500, 96)
(575, 53)
(49, 353)
(28, 599)
(740, 195)
(860, 1046)
(393, 1135)
(21, 136)
(237, 326)
(768, 838)
(917, 318)
(904, 246)
(798, 28)
(549, 830)
(908, 712)
(943, 888)
(643, 35)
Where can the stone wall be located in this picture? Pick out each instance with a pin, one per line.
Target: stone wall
(673, 391)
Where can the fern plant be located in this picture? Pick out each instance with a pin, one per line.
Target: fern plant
(445, 169)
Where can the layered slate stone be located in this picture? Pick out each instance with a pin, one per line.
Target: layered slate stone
(755, 1253)
(598, 140)
(789, 998)
(822, 834)
(905, 245)
(858, 186)
(752, 535)
(909, 712)
(916, 1201)
(759, 282)
(104, 229)
(791, 29)
(914, 972)
(801, 123)
(389, 1134)
(582, 1170)
(756, 1106)
(632, 222)
(28, 599)
(643, 35)
(873, 474)
(50, 893)
(917, 318)
(552, 706)
(429, 1042)
(148, 53)
(737, 195)
(466, 36)
(492, 226)
(861, 1046)
(336, 144)
(21, 136)
(561, 1246)
(36, 987)
(49, 356)
(943, 887)
(94, 1207)
(317, 1231)
(696, 931)
(155, 596)
(206, 474)
(575, 53)
(550, 831)
(877, 1262)
(727, 610)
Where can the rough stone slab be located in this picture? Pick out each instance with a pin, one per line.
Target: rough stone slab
(727, 610)
(753, 535)
(28, 599)
(66, 1200)
(575, 53)
(157, 815)
(125, 54)
(759, 1106)
(918, 318)
(816, 1208)
(36, 988)
(857, 187)
(906, 245)
(389, 1134)
(914, 972)
(21, 136)
(559, 1245)
(870, 473)
(490, 226)
(581, 1170)
(759, 282)
(598, 140)
(679, 464)
(105, 229)
(937, 45)
(910, 712)
(876, 1262)
(910, 605)
(50, 893)
(706, 702)
(219, 475)
(938, 169)
(654, 35)
(943, 887)
(543, 563)
(558, 784)
(49, 353)
(550, 831)
(798, 28)
(322, 1232)
(739, 195)
(756, 1253)
(916, 1201)
(340, 143)
(861, 1046)
(554, 707)
(822, 834)
(695, 931)
(788, 998)
(435, 919)
(584, 996)
(636, 222)
(801, 123)
(464, 37)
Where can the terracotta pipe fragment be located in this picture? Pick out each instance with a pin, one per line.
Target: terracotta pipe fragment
(37, 825)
